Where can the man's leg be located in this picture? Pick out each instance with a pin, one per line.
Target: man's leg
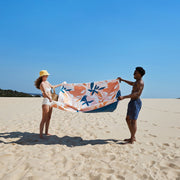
(133, 130)
(128, 121)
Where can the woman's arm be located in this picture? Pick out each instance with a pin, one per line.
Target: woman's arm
(55, 86)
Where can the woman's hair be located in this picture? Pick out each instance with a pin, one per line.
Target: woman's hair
(38, 82)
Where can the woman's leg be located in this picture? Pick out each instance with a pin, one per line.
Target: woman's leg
(48, 120)
(45, 112)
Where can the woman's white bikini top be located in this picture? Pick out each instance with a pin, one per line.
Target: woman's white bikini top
(47, 89)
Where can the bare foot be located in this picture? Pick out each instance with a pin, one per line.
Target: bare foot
(41, 136)
(48, 134)
(130, 139)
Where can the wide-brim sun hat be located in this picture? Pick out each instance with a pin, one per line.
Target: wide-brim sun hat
(43, 73)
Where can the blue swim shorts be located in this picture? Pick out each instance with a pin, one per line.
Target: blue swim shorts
(134, 107)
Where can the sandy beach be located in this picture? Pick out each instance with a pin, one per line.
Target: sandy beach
(89, 146)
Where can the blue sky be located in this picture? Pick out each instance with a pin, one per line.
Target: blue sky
(91, 40)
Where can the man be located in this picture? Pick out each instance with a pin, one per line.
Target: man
(135, 103)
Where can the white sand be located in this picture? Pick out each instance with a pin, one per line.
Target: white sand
(89, 146)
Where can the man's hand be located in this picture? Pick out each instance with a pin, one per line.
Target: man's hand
(120, 98)
(120, 79)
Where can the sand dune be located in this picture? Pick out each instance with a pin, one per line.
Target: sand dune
(89, 146)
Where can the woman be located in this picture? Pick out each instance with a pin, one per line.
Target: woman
(42, 84)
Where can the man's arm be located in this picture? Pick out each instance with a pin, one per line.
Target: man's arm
(128, 82)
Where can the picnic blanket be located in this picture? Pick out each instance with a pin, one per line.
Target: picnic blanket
(91, 97)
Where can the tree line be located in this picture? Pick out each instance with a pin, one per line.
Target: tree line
(11, 93)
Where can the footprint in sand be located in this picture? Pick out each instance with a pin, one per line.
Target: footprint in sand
(112, 157)
(93, 135)
(95, 177)
(104, 170)
(120, 177)
(174, 166)
(97, 124)
(114, 121)
(152, 163)
(152, 135)
(164, 165)
(142, 150)
(166, 144)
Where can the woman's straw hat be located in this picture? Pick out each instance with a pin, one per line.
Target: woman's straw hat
(43, 73)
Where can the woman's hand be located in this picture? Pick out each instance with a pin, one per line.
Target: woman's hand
(55, 86)
(50, 99)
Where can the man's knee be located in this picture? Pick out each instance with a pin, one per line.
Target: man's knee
(128, 119)
(133, 122)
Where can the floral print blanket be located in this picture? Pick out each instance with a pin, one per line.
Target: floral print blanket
(91, 97)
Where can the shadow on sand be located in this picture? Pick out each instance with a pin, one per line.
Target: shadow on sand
(26, 138)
